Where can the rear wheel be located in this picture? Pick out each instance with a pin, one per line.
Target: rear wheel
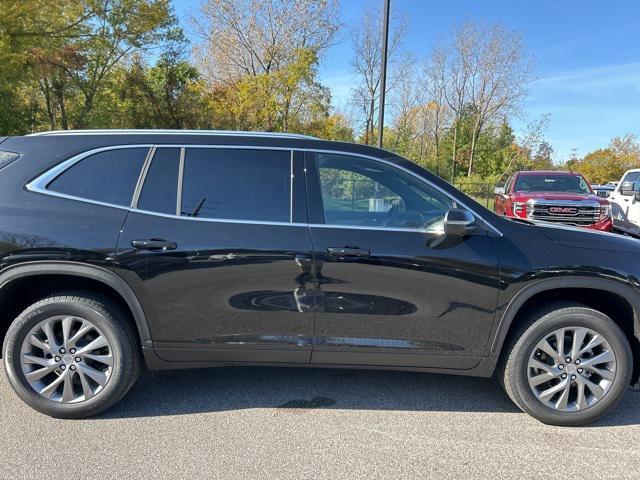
(71, 356)
(568, 365)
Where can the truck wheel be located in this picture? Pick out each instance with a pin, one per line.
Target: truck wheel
(72, 355)
(567, 365)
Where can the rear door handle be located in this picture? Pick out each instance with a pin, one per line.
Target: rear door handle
(348, 252)
(154, 244)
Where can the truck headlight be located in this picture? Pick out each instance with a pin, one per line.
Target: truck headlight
(520, 209)
(605, 212)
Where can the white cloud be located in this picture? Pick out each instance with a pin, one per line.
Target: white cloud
(596, 81)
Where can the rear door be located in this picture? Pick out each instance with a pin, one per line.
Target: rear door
(219, 245)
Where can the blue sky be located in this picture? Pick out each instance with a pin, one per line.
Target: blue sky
(587, 55)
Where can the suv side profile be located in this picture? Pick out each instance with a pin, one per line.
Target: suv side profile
(123, 250)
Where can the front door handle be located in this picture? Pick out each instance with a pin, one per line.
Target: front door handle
(154, 244)
(348, 252)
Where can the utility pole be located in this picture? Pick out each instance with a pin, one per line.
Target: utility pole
(383, 72)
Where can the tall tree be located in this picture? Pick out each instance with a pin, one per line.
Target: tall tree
(485, 71)
(457, 83)
(34, 35)
(255, 37)
(116, 29)
(288, 99)
(366, 38)
(435, 111)
(499, 72)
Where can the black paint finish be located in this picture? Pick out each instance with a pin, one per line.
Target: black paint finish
(227, 287)
(419, 300)
(248, 292)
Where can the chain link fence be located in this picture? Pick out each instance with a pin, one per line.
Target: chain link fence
(480, 192)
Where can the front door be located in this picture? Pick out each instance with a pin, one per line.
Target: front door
(392, 289)
(221, 263)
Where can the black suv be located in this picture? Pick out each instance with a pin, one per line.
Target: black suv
(164, 249)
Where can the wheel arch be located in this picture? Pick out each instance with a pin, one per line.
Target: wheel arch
(11, 275)
(586, 290)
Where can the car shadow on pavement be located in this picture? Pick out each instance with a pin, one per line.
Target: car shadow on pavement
(181, 392)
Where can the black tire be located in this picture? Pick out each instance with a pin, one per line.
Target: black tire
(542, 322)
(105, 315)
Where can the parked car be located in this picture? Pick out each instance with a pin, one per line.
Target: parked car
(603, 191)
(625, 204)
(558, 197)
(123, 250)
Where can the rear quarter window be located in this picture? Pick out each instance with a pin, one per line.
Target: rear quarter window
(109, 176)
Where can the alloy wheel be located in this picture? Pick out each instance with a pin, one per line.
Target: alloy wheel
(571, 369)
(66, 359)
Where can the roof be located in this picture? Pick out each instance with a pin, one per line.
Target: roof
(133, 131)
(68, 142)
(546, 172)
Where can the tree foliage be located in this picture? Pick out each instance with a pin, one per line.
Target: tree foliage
(127, 64)
(257, 37)
(610, 163)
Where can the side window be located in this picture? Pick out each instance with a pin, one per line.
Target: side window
(160, 189)
(362, 192)
(237, 184)
(108, 176)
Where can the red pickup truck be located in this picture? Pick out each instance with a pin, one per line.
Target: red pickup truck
(558, 197)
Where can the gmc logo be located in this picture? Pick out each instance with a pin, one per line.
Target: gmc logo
(563, 210)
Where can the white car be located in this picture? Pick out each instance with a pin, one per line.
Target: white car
(625, 203)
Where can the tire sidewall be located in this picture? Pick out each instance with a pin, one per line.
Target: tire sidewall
(545, 326)
(16, 334)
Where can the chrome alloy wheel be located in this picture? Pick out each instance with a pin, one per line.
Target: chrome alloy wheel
(571, 369)
(66, 359)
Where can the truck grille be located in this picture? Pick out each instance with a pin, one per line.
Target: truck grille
(561, 213)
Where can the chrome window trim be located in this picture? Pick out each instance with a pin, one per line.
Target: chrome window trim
(183, 153)
(38, 185)
(291, 189)
(438, 231)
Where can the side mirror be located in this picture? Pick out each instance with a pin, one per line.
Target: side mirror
(499, 191)
(459, 222)
(627, 188)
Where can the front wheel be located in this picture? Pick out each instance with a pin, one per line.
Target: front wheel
(568, 365)
(71, 356)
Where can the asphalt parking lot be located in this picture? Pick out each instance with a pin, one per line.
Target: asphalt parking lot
(303, 423)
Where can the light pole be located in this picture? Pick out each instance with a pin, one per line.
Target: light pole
(383, 72)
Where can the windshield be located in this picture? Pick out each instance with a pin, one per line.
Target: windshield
(552, 183)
